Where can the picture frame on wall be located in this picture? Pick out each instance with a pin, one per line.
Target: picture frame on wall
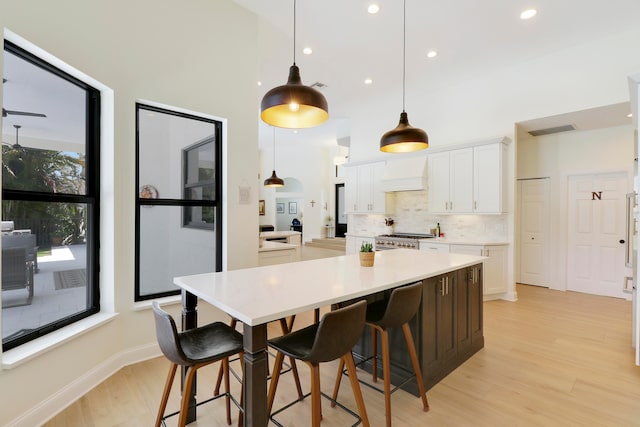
(293, 207)
(261, 207)
(280, 208)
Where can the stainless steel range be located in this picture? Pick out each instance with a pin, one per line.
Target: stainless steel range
(400, 240)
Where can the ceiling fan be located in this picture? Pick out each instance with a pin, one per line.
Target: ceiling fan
(15, 146)
(5, 113)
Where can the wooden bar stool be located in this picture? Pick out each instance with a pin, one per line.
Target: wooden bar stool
(330, 339)
(398, 310)
(194, 349)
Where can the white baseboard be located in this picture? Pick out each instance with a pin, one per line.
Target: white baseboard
(56, 403)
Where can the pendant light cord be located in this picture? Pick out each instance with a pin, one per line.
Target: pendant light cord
(404, 50)
(294, 34)
(274, 148)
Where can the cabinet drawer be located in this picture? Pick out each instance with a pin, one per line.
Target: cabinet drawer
(466, 249)
(437, 247)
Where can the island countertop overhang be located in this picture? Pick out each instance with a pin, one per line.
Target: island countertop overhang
(263, 294)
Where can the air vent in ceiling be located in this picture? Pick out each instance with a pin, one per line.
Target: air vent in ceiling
(319, 85)
(549, 131)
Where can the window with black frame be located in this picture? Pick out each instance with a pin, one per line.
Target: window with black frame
(179, 211)
(50, 198)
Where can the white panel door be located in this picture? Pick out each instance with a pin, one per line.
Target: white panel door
(596, 226)
(533, 196)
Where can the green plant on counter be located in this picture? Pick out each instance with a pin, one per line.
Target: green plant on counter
(366, 247)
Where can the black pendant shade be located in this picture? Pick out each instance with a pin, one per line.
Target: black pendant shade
(404, 138)
(294, 105)
(274, 181)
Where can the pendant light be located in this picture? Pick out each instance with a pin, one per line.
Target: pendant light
(294, 105)
(273, 181)
(404, 138)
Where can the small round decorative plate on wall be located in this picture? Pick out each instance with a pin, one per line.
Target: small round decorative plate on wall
(148, 192)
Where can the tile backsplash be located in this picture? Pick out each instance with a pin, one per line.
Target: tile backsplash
(412, 216)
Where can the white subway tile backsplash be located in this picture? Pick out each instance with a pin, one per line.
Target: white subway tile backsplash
(412, 216)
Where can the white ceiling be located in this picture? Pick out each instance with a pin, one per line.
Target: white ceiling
(471, 36)
(349, 45)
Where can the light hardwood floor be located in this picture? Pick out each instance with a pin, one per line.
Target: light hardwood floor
(551, 359)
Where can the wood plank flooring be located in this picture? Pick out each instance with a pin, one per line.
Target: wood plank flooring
(550, 359)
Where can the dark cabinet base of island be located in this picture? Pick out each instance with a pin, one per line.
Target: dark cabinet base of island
(447, 329)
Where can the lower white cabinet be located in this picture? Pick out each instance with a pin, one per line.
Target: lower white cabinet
(495, 267)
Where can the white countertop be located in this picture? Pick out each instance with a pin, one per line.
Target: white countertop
(276, 246)
(263, 294)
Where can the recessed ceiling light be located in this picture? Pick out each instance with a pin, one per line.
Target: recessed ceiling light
(259, 83)
(629, 115)
(307, 51)
(528, 14)
(373, 8)
(368, 81)
(432, 54)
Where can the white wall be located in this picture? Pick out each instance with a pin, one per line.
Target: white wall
(312, 165)
(183, 54)
(564, 154)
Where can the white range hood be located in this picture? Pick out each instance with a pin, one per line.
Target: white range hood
(407, 174)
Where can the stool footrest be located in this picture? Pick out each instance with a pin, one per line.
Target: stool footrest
(233, 399)
(334, 402)
(409, 378)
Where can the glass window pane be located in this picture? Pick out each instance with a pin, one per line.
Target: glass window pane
(43, 130)
(168, 250)
(162, 140)
(44, 265)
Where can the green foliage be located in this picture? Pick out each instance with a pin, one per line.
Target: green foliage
(366, 247)
(45, 171)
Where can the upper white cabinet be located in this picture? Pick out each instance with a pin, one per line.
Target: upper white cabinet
(363, 190)
(467, 180)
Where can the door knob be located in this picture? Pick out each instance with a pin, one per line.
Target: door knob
(622, 241)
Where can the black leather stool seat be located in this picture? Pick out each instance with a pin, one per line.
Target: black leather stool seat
(193, 349)
(396, 311)
(330, 339)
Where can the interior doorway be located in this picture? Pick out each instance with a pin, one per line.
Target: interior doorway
(341, 211)
(533, 235)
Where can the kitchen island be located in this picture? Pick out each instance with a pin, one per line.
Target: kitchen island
(256, 296)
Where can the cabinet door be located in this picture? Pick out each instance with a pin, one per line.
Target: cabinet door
(466, 249)
(446, 312)
(461, 180)
(351, 189)
(430, 345)
(365, 188)
(475, 304)
(487, 179)
(438, 172)
(378, 198)
(495, 269)
(463, 306)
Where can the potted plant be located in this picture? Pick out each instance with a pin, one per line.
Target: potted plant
(366, 255)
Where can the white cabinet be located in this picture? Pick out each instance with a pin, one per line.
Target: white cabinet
(467, 180)
(488, 182)
(354, 243)
(451, 181)
(363, 190)
(495, 269)
(495, 266)
(436, 247)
